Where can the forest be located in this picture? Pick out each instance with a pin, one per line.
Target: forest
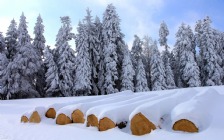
(102, 62)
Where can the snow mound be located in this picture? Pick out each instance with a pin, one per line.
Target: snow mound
(125, 109)
(84, 106)
(198, 109)
(156, 109)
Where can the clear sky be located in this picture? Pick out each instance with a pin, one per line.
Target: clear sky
(141, 17)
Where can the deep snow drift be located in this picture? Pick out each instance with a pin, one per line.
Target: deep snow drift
(205, 109)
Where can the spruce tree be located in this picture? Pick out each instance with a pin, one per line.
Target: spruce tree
(11, 39)
(99, 47)
(113, 43)
(141, 81)
(157, 70)
(83, 64)
(3, 69)
(211, 70)
(24, 65)
(163, 33)
(188, 70)
(51, 75)
(127, 72)
(39, 44)
(65, 58)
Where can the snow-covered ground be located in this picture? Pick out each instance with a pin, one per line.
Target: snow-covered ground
(203, 103)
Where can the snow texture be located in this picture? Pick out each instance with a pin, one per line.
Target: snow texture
(198, 109)
(156, 109)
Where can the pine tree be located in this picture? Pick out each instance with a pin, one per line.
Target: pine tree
(211, 70)
(157, 70)
(39, 44)
(127, 72)
(147, 50)
(83, 64)
(163, 33)
(113, 43)
(65, 58)
(11, 39)
(188, 69)
(3, 69)
(99, 47)
(94, 50)
(24, 65)
(52, 80)
(141, 81)
(136, 50)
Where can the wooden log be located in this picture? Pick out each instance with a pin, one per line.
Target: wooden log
(35, 117)
(140, 125)
(24, 119)
(78, 116)
(185, 125)
(105, 124)
(92, 120)
(51, 113)
(62, 119)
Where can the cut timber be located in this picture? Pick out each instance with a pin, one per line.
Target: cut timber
(185, 125)
(105, 124)
(24, 119)
(92, 120)
(78, 116)
(51, 113)
(140, 125)
(62, 119)
(35, 117)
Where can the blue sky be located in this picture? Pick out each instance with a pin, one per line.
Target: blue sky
(141, 17)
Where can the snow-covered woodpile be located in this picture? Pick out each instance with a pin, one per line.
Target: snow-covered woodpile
(188, 110)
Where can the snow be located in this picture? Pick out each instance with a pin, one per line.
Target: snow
(12, 110)
(198, 109)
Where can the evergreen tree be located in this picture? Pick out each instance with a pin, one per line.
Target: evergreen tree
(188, 69)
(24, 65)
(11, 39)
(99, 47)
(157, 70)
(163, 33)
(3, 69)
(141, 81)
(127, 72)
(113, 43)
(136, 50)
(65, 58)
(51, 75)
(211, 70)
(94, 51)
(39, 44)
(83, 64)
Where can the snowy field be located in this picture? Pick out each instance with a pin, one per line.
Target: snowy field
(206, 110)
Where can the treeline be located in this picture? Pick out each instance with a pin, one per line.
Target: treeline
(102, 63)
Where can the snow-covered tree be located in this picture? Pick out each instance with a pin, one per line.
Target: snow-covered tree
(39, 44)
(211, 70)
(163, 33)
(99, 46)
(113, 43)
(24, 65)
(3, 69)
(83, 64)
(94, 50)
(127, 72)
(157, 70)
(136, 50)
(141, 81)
(11, 39)
(188, 69)
(65, 58)
(147, 50)
(51, 75)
